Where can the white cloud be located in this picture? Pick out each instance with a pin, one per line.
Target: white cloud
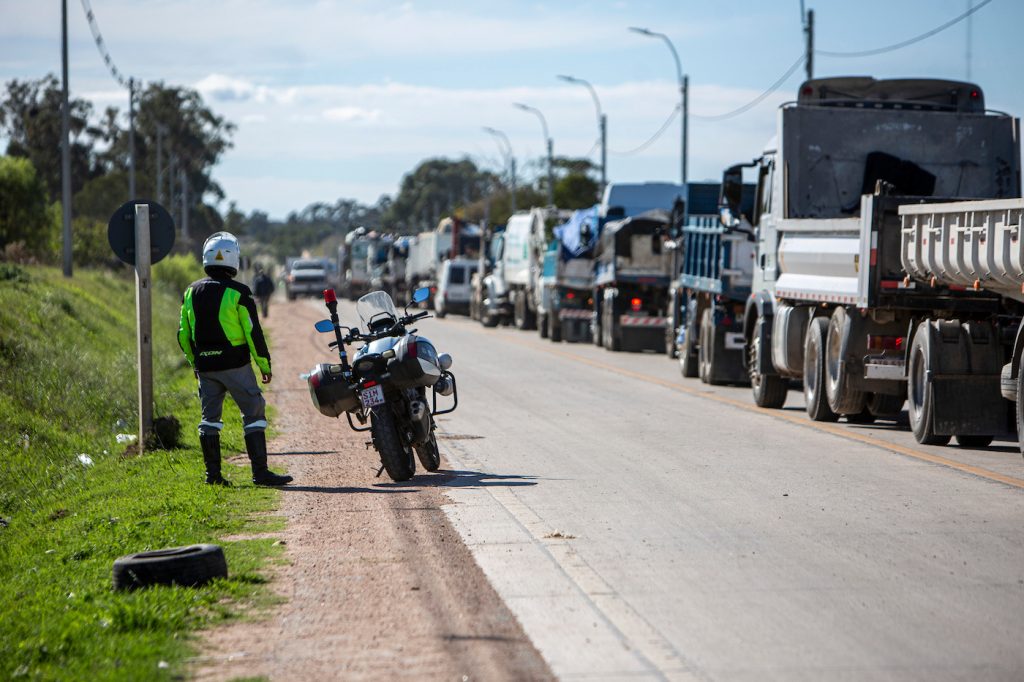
(351, 115)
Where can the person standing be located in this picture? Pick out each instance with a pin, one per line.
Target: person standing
(263, 287)
(220, 335)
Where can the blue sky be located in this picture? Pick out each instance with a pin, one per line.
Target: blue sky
(340, 99)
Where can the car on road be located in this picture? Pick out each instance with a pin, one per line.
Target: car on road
(306, 277)
(454, 289)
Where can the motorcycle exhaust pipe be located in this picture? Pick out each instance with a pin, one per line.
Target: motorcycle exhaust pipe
(420, 414)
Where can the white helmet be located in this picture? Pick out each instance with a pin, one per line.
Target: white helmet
(221, 250)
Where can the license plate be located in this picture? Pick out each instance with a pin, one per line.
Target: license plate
(372, 396)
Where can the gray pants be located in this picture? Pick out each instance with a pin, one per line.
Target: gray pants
(241, 384)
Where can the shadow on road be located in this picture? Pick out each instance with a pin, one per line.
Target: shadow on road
(449, 478)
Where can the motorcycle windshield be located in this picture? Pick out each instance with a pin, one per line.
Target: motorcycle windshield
(376, 309)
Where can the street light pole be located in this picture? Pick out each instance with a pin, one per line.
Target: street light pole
(684, 96)
(602, 125)
(131, 139)
(502, 137)
(550, 144)
(65, 142)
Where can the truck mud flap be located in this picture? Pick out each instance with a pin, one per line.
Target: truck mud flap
(969, 404)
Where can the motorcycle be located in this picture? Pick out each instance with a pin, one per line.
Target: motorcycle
(386, 382)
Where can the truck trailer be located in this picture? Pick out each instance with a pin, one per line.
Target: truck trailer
(831, 303)
(567, 279)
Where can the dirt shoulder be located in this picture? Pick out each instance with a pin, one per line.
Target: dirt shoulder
(378, 584)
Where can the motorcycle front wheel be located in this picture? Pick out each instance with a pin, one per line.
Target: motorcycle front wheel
(429, 455)
(395, 455)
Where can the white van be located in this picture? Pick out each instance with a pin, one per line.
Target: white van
(454, 289)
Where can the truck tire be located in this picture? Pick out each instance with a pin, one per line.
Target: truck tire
(919, 389)
(1019, 411)
(542, 325)
(885, 406)
(769, 389)
(489, 320)
(705, 349)
(842, 398)
(612, 328)
(688, 357)
(672, 330)
(521, 314)
(554, 328)
(395, 455)
(188, 566)
(815, 398)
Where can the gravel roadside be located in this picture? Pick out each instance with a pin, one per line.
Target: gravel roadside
(378, 585)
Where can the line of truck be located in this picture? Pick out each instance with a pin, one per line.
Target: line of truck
(874, 258)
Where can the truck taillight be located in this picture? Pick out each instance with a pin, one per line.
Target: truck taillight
(571, 295)
(636, 304)
(885, 342)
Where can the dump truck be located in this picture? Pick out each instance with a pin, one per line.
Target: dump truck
(631, 277)
(960, 364)
(831, 302)
(713, 262)
(621, 201)
(567, 279)
(355, 256)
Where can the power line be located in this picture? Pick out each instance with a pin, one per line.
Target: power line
(911, 41)
(653, 138)
(760, 98)
(102, 47)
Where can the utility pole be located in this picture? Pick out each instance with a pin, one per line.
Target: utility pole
(809, 34)
(970, 15)
(686, 127)
(131, 139)
(184, 206)
(160, 164)
(65, 141)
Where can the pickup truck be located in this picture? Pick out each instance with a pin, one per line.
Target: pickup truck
(306, 277)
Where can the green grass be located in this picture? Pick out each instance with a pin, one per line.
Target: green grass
(67, 388)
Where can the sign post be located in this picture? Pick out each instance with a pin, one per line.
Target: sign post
(141, 233)
(144, 318)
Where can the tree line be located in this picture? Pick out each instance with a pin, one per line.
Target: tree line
(178, 142)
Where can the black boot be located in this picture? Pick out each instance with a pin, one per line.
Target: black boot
(256, 446)
(211, 457)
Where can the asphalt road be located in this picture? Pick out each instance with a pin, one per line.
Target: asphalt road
(645, 526)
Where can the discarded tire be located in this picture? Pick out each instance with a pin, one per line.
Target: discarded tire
(186, 566)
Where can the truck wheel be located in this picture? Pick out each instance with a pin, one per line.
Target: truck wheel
(688, 358)
(395, 455)
(885, 406)
(704, 347)
(842, 398)
(554, 328)
(919, 389)
(542, 325)
(815, 399)
(974, 441)
(670, 343)
(1019, 410)
(612, 327)
(769, 390)
(489, 320)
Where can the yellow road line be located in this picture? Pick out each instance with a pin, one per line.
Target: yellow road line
(801, 420)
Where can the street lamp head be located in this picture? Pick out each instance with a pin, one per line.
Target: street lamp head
(568, 79)
(641, 31)
(492, 131)
(520, 105)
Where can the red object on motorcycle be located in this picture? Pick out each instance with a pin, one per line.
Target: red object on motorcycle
(636, 304)
(330, 296)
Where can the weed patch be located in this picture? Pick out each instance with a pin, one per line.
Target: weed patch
(70, 504)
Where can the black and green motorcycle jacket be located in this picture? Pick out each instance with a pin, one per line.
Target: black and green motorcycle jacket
(219, 326)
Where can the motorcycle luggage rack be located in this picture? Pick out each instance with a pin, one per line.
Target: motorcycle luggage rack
(348, 416)
(455, 397)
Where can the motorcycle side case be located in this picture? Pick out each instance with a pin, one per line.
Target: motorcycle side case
(331, 392)
(415, 363)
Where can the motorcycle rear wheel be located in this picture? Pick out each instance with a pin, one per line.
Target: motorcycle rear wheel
(395, 455)
(428, 454)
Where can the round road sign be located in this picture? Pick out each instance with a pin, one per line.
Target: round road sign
(121, 231)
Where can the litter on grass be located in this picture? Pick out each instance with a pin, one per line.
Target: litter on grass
(126, 438)
(86, 460)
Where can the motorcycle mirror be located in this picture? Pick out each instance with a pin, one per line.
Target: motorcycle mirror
(421, 294)
(445, 361)
(324, 326)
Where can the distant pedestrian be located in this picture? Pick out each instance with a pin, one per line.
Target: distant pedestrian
(263, 287)
(220, 335)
